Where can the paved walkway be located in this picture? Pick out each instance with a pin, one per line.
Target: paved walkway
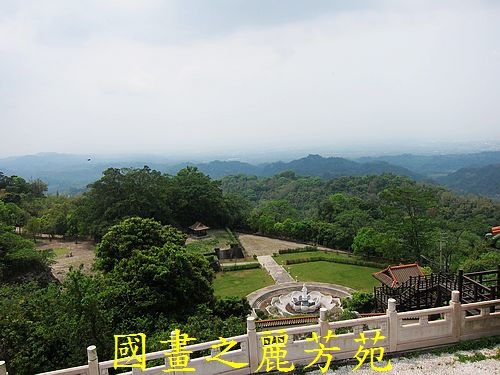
(276, 271)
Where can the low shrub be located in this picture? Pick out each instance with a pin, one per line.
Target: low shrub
(238, 267)
(351, 261)
(298, 250)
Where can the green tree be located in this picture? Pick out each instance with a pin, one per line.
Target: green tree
(164, 281)
(236, 210)
(38, 188)
(34, 227)
(409, 211)
(484, 262)
(367, 242)
(134, 234)
(267, 213)
(18, 257)
(146, 263)
(12, 214)
(122, 193)
(55, 215)
(195, 197)
(335, 205)
(361, 302)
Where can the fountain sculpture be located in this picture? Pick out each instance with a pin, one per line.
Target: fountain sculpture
(301, 302)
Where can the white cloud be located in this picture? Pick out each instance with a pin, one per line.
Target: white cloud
(374, 74)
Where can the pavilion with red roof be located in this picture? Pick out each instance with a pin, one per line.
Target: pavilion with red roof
(393, 276)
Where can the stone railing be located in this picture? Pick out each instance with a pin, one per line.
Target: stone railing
(296, 320)
(402, 332)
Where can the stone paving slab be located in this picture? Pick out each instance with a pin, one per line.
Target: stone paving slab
(277, 272)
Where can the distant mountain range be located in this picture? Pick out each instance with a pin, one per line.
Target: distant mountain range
(481, 181)
(477, 173)
(438, 165)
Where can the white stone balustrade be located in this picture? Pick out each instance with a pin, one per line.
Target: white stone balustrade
(402, 331)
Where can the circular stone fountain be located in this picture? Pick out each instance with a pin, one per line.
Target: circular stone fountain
(304, 302)
(288, 299)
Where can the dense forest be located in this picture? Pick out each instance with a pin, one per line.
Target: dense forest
(145, 280)
(384, 216)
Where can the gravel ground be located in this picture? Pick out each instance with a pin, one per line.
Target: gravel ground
(82, 253)
(260, 245)
(430, 364)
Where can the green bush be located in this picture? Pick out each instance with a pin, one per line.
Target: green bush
(298, 250)
(361, 302)
(238, 267)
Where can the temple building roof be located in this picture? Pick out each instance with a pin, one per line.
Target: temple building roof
(393, 276)
(198, 226)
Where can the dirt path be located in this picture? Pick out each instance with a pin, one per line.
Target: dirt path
(260, 245)
(73, 255)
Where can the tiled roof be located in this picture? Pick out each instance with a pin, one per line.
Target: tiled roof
(393, 276)
(199, 226)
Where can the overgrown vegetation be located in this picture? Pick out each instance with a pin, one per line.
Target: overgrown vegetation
(237, 267)
(217, 239)
(145, 279)
(382, 216)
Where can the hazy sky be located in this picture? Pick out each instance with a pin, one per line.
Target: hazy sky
(192, 76)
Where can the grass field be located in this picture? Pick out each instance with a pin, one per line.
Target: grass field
(215, 238)
(240, 283)
(356, 277)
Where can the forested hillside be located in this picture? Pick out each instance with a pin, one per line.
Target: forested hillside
(384, 216)
(70, 174)
(481, 181)
(145, 279)
(438, 165)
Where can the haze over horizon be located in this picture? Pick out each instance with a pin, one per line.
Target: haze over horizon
(191, 77)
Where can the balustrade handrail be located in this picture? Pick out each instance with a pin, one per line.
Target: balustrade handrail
(473, 305)
(287, 319)
(478, 273)
(399, 337)
(70, 371)
(475, 283)
(417, 313)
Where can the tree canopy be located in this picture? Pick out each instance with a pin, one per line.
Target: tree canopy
(134, 234)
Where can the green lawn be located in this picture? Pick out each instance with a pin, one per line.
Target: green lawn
(215, 238)
(240, 283)
(356, 277)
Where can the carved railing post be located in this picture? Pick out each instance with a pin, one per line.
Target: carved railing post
(253, 357)
(393, 327)
(323, 323)
(461, 282)
(498, 282)
(93, 360)
(456, 315)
